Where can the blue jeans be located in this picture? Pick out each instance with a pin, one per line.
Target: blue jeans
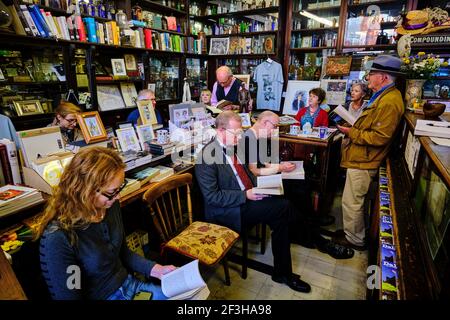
(131, 286)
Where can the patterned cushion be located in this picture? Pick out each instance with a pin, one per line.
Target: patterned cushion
(204, 241)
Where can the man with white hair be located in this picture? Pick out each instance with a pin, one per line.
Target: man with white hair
(226, 88)
(146, 94)
(368, 143)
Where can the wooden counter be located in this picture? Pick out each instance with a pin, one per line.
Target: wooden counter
(10, 288)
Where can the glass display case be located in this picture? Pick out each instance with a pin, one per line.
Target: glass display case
(164, 74)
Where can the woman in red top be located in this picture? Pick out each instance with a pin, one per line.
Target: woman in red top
(313, 114)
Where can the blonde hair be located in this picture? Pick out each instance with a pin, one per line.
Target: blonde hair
(65, 108)
(206, 91)
(224, 119)
(72, 202)
(266, 114)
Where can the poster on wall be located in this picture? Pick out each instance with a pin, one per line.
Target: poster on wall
(297, 95)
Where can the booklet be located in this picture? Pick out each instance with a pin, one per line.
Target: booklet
(297, 174)
(432, 128)
(272, 184)
(185, 283)
(344, 114)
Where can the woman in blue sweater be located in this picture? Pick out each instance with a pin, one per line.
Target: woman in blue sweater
(82, 247)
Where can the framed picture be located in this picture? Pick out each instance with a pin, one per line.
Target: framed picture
(147, 112)
(129, 93)
(246, 123)
(338, 66)
(269, 44)
(152, 86)
(91, 126)
(234, 46)
(219, 46)
(28, 107)
(336, 91)
(145, 133)
(128, 139)
(118, 67)
(244, 78)
(297, 95)
(130, 62)
(10, 99)
(180, 113)
(109, 98)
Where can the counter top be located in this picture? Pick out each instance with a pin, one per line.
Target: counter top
(10, 286)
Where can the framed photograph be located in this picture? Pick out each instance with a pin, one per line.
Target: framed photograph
(91, 126)
(297, 95)
(152, 86)
(269, 44)
(109, 98)
(246, 123)
(180, 113)
(28, 107)
(130, 62)
(145, 133)
(147, 112)
(244, 78)
(128, 139)
(338, 66)
(234, 46)
(219, 46)
(129, 93)
(336, 91)
(118, 67)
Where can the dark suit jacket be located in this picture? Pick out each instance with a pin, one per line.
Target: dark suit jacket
(222, 194)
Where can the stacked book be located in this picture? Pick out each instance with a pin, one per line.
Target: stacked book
(15, 198)
(132, 186)
(145, 175)
(159, 149)
(164, 172)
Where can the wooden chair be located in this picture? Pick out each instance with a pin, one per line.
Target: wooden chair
(260, 237)
(170, 206)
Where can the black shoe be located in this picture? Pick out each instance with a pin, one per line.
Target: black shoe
(293, 282)
(335, 250)
(342, 240)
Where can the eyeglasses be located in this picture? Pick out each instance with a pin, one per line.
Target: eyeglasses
(225, 82)
(111, 196)
(237, 133)
(71, 120)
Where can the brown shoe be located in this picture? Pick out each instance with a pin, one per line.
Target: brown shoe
(342, 240)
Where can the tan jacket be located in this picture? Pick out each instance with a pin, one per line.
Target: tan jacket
(371, 136)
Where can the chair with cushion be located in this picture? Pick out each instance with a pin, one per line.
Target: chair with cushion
(170, 206)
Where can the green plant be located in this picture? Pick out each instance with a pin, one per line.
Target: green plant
(421, 66)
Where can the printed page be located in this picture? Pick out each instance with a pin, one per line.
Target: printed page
(344, 114)
(272, 181)
(181, 280)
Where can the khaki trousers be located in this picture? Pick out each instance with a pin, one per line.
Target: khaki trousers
(356, 188)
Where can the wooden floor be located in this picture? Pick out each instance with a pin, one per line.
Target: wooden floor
(330, 279)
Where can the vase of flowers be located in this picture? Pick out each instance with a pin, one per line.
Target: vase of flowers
(418, 69)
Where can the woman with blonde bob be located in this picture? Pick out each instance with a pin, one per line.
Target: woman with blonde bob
(83, 250)
(66, 119)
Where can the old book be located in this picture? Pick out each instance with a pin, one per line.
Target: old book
(271, 185)
(297, 174)
(223, 103)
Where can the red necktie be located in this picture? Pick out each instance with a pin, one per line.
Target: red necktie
(246, 181)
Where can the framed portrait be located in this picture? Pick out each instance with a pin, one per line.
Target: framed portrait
(336, 91)
(129, 93)
(246, 123)
(297, 95)
(130, 62)
(147, 112)
(244, 78)
(234, 46)
(28, 107)
(180, 113)
(219, 46)
(338, 66)
(109, 98)
(118, 67)
(91, 126)
(128, 139)
(145, 133)
(269, 44)
(152, 86)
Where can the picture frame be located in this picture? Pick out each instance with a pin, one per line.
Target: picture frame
(145, 133)
(269, 44)
(147, 112)
(10, 99)
(28, 107)
(338, 66)
(244, 78)
(129, 94)
(336, 91)
(109, 98)
(118, 67)
(128, 139)
(219, 46)
(180, 113)
(91, 126)
(152, 86)
(130, 62)
(246, 122)
(297, 95)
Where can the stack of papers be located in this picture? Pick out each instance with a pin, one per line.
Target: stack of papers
(15, 198)
(432, 128)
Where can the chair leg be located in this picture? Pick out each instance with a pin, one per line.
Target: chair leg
(263, 238)
(226, 271)
(244, 254)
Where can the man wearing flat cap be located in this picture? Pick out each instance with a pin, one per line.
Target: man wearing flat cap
(367, 144)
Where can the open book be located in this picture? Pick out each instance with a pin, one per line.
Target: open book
(214, 110)
(223, 103)
(272, 184)
(298, 173)
(344, 114)
(185, 283)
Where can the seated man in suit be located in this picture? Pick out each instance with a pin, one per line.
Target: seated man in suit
(262, 160)
(226, 186)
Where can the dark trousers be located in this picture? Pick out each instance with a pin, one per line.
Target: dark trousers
(277, 214)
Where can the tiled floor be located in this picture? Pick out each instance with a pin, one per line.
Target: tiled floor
(329, 278)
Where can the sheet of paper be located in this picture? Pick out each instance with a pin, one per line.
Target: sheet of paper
(181, 280)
